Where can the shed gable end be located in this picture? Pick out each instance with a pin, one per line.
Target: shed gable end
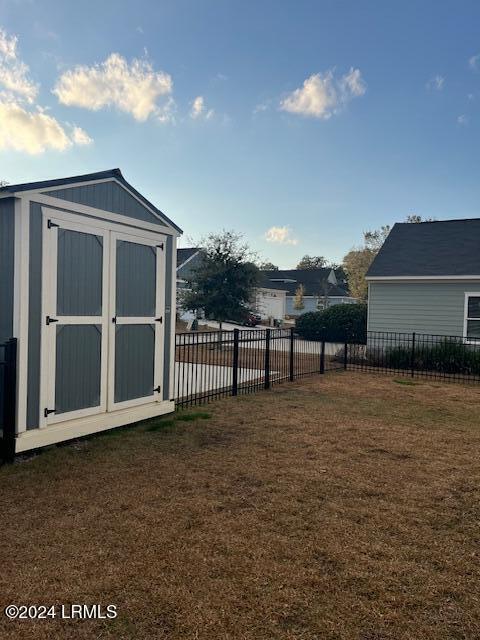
(108, 196)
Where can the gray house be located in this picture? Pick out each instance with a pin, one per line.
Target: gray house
(426, 279)
(320, 286)
(87, 286)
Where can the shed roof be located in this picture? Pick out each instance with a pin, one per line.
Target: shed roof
(114, 174)
(446, 248)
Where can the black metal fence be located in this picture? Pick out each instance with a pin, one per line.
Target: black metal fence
(8, 375)
(214, 364)
(415, 354)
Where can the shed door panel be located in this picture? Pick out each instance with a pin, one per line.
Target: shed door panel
(78, 366)
(75, 330)
(137, 328)
(79, 273)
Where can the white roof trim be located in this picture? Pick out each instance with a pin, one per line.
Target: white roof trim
(418, 278)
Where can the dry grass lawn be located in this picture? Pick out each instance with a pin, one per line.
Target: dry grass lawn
(337, 507)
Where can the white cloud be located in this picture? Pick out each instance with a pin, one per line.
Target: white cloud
(14, 72)
(199, 110)
(81, 137)
(24, 125)
(34, 131)
(133, 88)
(473, 62)
(322, 95)
(437, 82)
(8, 46)
(280, 235)
(462, 119)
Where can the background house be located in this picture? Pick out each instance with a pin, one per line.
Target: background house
(426, 279)
(321, 288)
(188, 259)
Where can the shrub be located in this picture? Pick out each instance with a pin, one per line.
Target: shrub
(339, 323)
(446, 356)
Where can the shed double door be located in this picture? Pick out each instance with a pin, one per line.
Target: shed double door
(102, 331)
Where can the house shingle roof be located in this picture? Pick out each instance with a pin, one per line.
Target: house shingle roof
(447, 248)
(184, 254)
(313, 281)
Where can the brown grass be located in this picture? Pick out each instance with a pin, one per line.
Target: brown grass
(341, 507)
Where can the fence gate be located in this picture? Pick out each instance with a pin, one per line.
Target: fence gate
(8, 375)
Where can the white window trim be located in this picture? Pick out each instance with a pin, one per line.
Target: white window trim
(469, 294)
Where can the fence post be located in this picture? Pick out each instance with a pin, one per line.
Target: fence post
(292, 347)
(345, 355)
(267, 358)
(322, 357)
(10, 401)
(412, 356)
(235, 363)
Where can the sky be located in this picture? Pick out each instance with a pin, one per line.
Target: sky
(299, 124)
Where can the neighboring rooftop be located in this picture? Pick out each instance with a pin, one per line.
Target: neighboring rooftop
(185, 254)
(114, 174)
(446, 248)
(313, 280)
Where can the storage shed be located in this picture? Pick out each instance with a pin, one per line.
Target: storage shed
(87, 286)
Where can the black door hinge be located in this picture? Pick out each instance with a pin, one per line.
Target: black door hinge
(159, 319)
(50, 320)
(160, 246)
(47, 412)
(51, 224)
(157, 389)
(114, 320)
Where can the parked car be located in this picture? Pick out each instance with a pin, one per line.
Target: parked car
(252, 319)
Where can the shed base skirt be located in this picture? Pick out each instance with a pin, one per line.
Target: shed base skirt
(35, 438)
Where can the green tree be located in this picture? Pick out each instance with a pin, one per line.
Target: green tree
(414, 218)
(223, 285)
(312, 262)
(298, 302)
(357, 261)
(267, 266)
(356, 264)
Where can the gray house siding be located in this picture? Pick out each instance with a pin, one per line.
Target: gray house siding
(435, 308)
(7, 243)
(108, 196)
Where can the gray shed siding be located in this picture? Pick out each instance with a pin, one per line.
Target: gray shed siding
(424, 307)
(34, 316)
(7, 244)
(35, 319)
(108, 196)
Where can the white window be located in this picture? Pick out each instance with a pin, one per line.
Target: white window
(472, 316)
